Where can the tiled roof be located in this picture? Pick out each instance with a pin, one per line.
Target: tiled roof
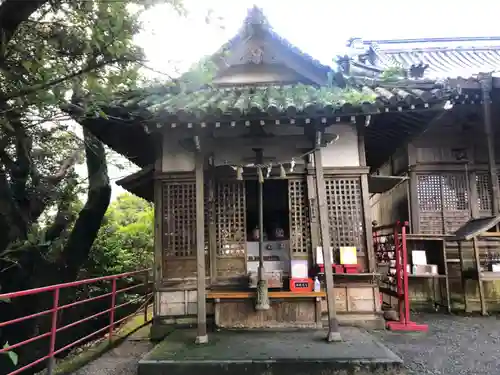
(440, 57)
(217, 104)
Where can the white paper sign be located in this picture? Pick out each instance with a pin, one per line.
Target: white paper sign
(319, 255)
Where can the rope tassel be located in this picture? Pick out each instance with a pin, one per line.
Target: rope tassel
(282, 171)
(239, 173)
(261, 176)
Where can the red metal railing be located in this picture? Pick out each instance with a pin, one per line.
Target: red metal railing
(143, 299)
(389, 242)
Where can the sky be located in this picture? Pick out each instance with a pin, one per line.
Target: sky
(172, 43)
(318, 27)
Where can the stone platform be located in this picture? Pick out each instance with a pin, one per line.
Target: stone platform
(271, 353)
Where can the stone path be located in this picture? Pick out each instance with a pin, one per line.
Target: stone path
(123, 359)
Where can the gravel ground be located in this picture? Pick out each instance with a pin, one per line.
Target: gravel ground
(119, 361)
(454, 345)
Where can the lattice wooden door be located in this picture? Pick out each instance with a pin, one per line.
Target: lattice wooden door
(345, 211)
(179, 228)
(230, 224)
(300, 231)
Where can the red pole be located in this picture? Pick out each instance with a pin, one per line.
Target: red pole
(397, 255)
(53, 332)
(112, 311)
(405, 273)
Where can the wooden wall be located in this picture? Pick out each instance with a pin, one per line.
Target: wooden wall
(443, 193)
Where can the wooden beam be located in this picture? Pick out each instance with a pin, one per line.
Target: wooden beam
(324, 225)
(201, 337)
(486, 83)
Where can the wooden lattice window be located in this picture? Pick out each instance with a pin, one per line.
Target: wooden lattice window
(300, 233)
(443, 202)
(429, 192)
(345, 212)
(230, 218)
(179, 218)
(483, 191)
(442, 191)
(455, 192)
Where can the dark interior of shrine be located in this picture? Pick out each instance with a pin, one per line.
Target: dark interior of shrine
(276, 210)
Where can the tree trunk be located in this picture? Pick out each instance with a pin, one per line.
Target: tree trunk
(89, 220)
(72, 258)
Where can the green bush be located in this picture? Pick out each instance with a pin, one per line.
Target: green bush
(125, 240)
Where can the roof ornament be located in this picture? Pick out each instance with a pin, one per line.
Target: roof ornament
(344, 63)
(255, 20)
(256, 55)
(418, 70)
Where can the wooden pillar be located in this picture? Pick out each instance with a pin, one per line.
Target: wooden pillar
(313, 204)
(324, 225)
(158, 235)
(367, 222)
(212, 240)
(201, 337)
(486, 86)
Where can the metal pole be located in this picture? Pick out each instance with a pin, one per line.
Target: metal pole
(53, 332)
(262, 287)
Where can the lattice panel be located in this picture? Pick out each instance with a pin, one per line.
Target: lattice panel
(300, 232)
(455, 192)
(230, 218)
(429, 192)
(483, 191)
(345, 211)
(179, 218)
(443, 202)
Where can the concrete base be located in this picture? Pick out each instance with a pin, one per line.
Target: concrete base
(159, 330)
(333, 337)
(271, 353)
(201, 339)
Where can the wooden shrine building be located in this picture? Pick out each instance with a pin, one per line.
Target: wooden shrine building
(252, 171)
(452, 167)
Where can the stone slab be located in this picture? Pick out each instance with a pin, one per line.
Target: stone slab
(271, 353)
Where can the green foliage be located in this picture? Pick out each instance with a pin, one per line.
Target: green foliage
(394, 73)
(126, 239)
(12, 355)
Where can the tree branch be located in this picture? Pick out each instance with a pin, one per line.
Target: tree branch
(47, 85)
(12, 14)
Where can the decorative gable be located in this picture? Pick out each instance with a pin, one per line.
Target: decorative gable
(257, 55)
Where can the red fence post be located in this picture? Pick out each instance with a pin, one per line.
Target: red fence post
(53, 332)
(112, 311)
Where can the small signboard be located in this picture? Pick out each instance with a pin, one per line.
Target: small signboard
(348, 255)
